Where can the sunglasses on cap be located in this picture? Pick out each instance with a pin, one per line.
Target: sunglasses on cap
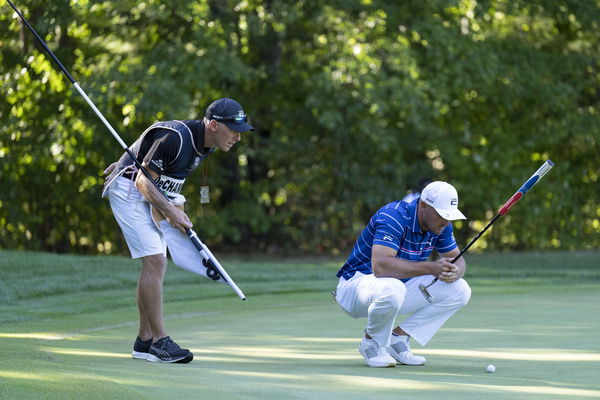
(237, 119)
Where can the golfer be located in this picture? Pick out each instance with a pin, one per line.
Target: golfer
(380, 280)
(169, 151)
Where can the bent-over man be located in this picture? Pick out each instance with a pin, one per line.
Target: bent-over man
(151, 222)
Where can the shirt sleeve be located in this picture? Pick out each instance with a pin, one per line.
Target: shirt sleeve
(163, 151)
(388, 231)
(445, 241)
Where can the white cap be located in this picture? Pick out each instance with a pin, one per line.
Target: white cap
(444, 199)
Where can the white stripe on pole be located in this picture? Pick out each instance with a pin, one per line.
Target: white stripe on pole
(99, 114)
(544, 168)
(222, 271)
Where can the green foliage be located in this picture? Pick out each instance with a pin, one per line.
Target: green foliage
(353, 103)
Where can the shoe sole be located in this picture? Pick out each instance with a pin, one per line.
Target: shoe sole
(177, 360)
(410, 365)
(138, 355)
(404, 363)
(388, 365)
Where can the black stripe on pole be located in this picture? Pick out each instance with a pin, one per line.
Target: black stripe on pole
(42, 42)
(481, 232)
(66, 72)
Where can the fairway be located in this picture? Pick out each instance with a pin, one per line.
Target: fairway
(263, 146)
(68, 324)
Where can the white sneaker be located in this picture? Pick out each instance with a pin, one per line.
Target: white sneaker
(400, 350)
(375, 355)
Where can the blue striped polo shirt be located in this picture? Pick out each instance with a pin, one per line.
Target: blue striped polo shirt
(396, 225)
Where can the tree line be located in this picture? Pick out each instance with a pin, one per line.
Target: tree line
(353, 103)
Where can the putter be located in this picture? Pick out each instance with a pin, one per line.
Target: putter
(191, 234)
(503, 210)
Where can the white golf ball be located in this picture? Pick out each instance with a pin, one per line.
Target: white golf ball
(491, 368)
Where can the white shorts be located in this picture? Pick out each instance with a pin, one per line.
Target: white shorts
(132, 213)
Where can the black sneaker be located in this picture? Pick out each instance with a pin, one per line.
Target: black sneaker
(167, 351)
(141, 349)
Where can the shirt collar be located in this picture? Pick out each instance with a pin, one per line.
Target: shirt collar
(199, 140)
(413, 212)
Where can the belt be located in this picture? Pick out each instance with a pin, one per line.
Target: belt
(128, 176)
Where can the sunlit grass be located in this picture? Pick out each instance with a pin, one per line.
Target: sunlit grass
(537, 390)
(526, 354)
(84, 353)
(72, 337)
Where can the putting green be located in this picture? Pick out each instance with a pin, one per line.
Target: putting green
(543, 341)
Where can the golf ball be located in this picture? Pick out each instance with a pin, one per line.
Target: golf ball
(491, 368)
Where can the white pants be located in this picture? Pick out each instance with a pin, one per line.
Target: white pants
(382, 299)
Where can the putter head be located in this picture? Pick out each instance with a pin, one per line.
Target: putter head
(426, 293)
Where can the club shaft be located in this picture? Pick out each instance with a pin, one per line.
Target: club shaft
(464, 250)
(200, 246)
(481, 232)
(533, 179)
(62, 67)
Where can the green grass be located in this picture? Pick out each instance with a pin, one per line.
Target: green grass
(67, 324)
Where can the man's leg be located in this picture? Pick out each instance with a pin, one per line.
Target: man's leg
(378, 299)
(150, 297)
(150, 305)
(145, 241)
(426, 318)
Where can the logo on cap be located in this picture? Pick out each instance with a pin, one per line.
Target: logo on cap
(443, 198)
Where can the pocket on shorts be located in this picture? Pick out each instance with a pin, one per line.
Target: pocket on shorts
(124, 188)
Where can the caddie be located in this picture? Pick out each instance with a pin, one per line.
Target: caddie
(169, 151)
(380, 280)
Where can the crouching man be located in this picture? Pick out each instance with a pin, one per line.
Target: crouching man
(381, 278)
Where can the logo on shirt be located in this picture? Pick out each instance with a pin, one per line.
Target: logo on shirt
(194, 164)
(158, 164)
(388, 237)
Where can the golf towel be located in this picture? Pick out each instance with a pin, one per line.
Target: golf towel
(185, 255)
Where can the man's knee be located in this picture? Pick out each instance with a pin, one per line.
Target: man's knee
(392, 292)
(154, 265)
(463, 292)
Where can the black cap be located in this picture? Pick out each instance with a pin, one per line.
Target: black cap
(229, 112)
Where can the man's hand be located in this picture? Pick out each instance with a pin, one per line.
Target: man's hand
(161, 206)
(178, 219)
(450, 272)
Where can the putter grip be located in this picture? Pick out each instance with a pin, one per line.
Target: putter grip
(526, 186)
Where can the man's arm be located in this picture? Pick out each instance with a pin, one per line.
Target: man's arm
(176, 217)
(386, 264)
